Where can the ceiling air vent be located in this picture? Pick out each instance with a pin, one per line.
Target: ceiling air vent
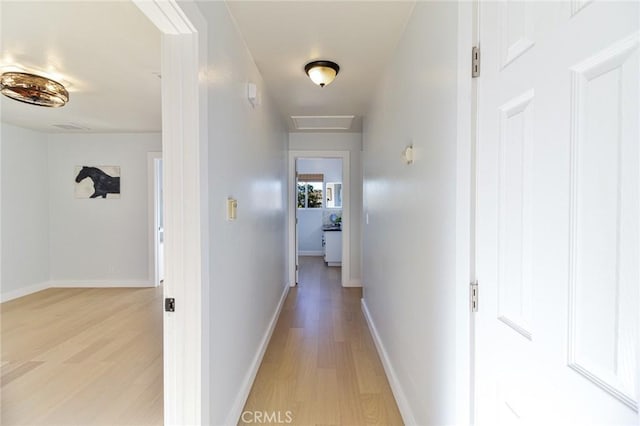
(322, 122)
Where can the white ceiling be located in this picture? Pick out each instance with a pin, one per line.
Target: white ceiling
(283, 36)
(108, 56)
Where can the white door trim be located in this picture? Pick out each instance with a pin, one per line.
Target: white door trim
(154, 275)
(346, 211)
(184, 147)
(465, 212)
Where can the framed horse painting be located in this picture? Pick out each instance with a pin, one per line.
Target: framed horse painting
(97, 182)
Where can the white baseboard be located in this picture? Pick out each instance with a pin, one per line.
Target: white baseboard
(24, 291)
(353, 283)
(241, 399)
(310, 253)
(99, 284)
(34, 288)
(403, 404)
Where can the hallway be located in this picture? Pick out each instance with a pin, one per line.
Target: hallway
(321, 365)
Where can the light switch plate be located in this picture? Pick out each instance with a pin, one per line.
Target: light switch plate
(252, 94)
(232, 209)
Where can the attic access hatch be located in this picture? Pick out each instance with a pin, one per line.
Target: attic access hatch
(322, 122)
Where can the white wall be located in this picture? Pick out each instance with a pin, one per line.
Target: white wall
(310, 221)
(247, 161)
(351, 142)
(410, 253)
(49, 237)
(330, 167)
(25, 212)
(100, 241)
(310, 232)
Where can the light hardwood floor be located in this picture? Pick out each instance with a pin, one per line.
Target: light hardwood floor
(321, 364)
(82, 357)
(94, 357)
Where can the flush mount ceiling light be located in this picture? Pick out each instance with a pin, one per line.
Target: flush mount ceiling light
(322, 72)
(33, 89)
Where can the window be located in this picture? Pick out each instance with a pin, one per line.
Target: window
(334, 195)
(310, 191)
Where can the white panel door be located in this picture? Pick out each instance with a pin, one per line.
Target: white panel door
(558, 188)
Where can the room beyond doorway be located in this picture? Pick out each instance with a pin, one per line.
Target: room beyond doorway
(314, 192)
(319, 209)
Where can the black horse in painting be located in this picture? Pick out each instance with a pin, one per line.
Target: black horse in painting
(103, 184)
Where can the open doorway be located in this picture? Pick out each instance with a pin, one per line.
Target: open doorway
(81, 307)
(319, 211)
(318, 214)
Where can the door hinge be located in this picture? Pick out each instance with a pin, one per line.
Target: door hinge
(475, 62)
(473, 293)
(169, 304)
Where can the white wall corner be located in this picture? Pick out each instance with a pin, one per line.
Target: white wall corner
(24, 291)
(245, 389)
(403, 403)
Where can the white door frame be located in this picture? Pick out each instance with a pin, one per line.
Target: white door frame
(465, 213)
(153, 210)
(346, 210)
(184, 147)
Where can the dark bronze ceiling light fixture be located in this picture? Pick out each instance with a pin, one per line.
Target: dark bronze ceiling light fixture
(33, 89)
(322, 72)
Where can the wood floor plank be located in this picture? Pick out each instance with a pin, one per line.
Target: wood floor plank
(82, 357)
(13, 371)
(351, 409)
(321, 364)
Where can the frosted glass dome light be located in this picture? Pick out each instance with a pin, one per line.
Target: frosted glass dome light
(322, 72)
